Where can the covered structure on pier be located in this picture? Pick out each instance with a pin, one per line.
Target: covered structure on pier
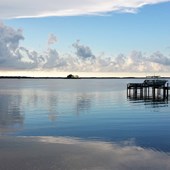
(152, 87)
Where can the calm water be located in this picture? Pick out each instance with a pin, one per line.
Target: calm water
(87, 109)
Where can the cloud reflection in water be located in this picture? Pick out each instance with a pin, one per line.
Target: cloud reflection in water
(11, 117)
(71, 153)
(83, 102)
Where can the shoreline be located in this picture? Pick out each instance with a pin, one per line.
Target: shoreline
(27, 77)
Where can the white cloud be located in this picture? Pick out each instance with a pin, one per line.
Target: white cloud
(51, 57)
(38, 8)
(14, 57)
(52, 39)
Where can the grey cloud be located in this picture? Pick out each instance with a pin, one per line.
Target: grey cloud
(9, 42)
(13, 56)
(120, 59)
(136, 61)
(82, 51)
(10, 37)
(159, 58)
(136, 56)
(51, 58)
(30, 58)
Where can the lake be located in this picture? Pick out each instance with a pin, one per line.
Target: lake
(87, 111)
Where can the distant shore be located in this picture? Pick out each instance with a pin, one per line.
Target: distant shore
(28, 77)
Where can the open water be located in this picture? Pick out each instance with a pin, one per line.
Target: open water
(87, 109)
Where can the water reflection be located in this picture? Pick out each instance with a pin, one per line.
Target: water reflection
(52, 103)
(70, 153)
(11, 117)
(83, 103)
(98, 113)
(40, 103)
(149, 101)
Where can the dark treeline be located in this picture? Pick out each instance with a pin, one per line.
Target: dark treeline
(28, 77)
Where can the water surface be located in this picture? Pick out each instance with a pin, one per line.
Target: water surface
(90, 110)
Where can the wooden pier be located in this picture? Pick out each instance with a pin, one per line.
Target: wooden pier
(153, 88)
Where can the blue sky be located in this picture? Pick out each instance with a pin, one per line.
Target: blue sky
(145, 30)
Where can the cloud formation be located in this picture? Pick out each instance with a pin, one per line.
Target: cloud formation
(14, 57)
(52, 39)
(9, 41)
(26, 9)
(83, 52)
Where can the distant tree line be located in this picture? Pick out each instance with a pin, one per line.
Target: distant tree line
(71, 76)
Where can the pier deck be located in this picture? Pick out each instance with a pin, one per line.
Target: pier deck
(149, 88)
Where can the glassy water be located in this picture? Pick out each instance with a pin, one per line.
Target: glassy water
(87, 109)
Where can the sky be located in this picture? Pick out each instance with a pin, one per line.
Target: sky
(87, 37)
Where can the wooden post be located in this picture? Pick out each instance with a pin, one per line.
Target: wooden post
(148, 91)
(167, 90)
(145, 92)
(135, 92)
(158, 92)
(164, 92)
(141, 92)
(153, 92)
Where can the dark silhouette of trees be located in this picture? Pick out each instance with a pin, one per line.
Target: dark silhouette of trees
(70, 76)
